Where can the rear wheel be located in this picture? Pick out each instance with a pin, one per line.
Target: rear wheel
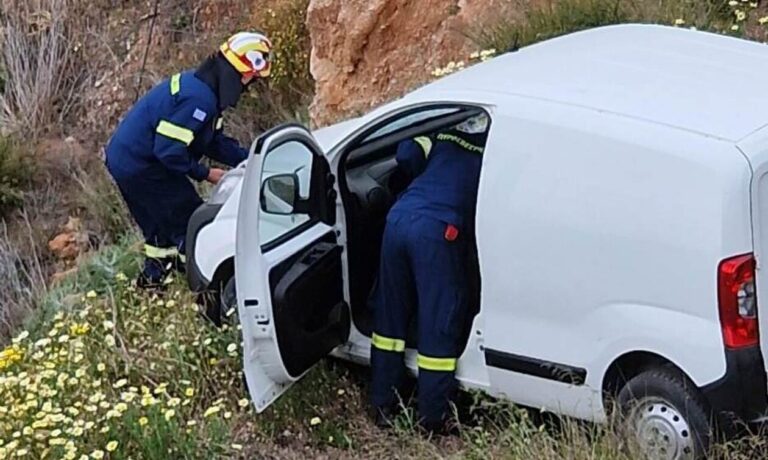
(221, 305)
(666, 416)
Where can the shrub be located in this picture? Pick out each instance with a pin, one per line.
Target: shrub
(558, 17)
(40, 72)
(98, 196)
(15, 174)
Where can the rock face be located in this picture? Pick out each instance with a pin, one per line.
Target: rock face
(367, 51)
(70, 243)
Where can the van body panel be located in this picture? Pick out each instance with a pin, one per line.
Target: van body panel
(755, 149)
(600, 235)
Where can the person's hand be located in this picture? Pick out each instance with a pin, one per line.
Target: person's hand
(214, 175)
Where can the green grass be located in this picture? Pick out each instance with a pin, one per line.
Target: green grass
(557, 17)
(101, 365)
(16, 172)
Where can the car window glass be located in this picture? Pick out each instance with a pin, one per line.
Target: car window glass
(285, 177)
(408, 120)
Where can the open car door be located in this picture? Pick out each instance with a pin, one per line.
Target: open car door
(287, 263)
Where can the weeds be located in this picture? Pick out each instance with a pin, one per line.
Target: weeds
(15, 174)
(557, 17)
(100, 198)
(40, 75)
(22, 280)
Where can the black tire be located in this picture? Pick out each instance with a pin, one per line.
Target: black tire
(218, 303)
(660, 404)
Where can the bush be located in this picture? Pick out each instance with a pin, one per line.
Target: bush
(15, 174)
(99, 197)
(558, 17)
(40, 72)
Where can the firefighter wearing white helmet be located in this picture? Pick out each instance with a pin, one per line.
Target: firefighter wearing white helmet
(428, 271)
(158, 145)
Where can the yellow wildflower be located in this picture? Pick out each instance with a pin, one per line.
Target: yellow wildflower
(237, 446)
(243, 402)
(211, 411)
(111, 446)
(23, 335)
(143, 421)
(91, 294)
(169, 414)
(120, 383)
(101, 367)
(315, 421)
(189, 392)
(97, 454)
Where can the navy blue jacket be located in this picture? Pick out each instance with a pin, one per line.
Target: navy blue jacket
(446, 173)
(169, 130)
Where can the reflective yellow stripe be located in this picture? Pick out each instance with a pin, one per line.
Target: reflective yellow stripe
(175, 84)
(159, 253)
(175, 132)
(436, 364)
(460, 141)
(219, 123)
(387, 344)
(425, 143)
(183, 258)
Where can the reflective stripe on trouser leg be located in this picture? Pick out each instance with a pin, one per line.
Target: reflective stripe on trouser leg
(436, 364)
(160, 253)
(387, 343)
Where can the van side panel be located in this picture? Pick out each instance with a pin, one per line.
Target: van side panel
(600, 235)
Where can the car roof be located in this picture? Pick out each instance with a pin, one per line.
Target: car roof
(695, 81)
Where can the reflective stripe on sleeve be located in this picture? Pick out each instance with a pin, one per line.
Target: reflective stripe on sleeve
(387, 343)
(159, 253)
(436, 364)
(425, 143)
(175, 84)
(175, 132)
(219, 123)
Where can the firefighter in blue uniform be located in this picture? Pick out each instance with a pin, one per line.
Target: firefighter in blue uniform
(157, 147)
(428, 241)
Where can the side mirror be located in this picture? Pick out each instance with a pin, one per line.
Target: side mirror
(279, 194)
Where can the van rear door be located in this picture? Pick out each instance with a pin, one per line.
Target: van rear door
(755, 148)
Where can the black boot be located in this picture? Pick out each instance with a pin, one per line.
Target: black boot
(153, 274)
(383, 417)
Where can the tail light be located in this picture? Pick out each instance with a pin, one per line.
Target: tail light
(738, 301)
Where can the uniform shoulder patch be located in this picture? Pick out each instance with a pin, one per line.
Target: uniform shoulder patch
(199, 115)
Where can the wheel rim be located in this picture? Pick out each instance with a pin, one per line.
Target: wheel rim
(662, 433)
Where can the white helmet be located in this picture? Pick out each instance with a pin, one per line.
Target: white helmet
(475, 125)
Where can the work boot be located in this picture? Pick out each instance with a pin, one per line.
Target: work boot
(153, 275)
(444, 427)
(383, 417)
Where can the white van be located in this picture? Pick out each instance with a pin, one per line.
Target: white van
(621, 223)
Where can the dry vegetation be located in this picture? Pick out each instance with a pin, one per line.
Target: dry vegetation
(101, 370)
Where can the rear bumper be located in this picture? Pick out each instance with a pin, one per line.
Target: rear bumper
(743, 390)
(203, 215)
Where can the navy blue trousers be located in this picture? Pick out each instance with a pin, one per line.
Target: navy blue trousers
(161, 204)
(422, 273)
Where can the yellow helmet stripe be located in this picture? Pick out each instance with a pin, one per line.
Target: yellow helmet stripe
(234, 59)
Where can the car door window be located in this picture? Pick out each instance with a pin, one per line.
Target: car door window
(409, 120)
(285, 176)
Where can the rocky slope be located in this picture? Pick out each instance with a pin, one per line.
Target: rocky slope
(365, 51)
